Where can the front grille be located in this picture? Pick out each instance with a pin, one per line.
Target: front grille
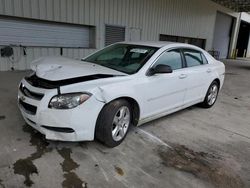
(30, 94)
(39, 82)
(30, 109)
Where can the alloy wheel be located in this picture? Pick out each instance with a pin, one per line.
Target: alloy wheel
(121, 123)
(213, 92)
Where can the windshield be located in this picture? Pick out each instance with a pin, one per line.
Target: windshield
(123, 57)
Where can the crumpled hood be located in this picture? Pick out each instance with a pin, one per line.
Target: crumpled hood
(60, 68)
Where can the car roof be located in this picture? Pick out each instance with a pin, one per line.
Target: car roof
(159, 44)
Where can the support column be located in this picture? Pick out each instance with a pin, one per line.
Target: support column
(234, 38)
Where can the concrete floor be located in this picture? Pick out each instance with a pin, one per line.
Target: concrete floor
(209, 147)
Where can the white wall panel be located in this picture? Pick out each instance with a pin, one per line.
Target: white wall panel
(26, 8)
(56, 10)
(43, 9)
(49, 10)
(191, 18)
(35, 9)
(16, 6)
(8, 7)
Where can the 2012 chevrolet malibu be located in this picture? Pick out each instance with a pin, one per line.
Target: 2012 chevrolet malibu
(124, 84)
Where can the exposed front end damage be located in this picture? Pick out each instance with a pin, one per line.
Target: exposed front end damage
(100, 95)
(77, 124)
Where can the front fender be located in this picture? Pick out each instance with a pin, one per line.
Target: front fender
(109, 93)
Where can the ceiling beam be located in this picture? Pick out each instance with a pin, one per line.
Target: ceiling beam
(236, 5)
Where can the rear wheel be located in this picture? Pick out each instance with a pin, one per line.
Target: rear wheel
(113, 122)
(211, 95)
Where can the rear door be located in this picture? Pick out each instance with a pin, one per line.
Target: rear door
(198, 75)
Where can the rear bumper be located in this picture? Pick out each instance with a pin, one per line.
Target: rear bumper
(76, 124)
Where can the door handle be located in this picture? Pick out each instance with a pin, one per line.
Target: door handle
(209, 70)
(182, 76)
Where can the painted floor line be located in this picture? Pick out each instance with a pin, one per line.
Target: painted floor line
(153, 137)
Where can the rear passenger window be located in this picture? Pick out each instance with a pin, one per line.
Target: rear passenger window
(171, 58)
(204, 59)
(193, 58)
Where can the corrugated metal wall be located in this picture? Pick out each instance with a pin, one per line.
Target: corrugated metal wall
(191, 18)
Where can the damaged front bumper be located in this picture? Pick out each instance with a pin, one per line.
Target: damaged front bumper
(77, 124)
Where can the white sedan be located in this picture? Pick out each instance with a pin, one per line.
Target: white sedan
(122, 85)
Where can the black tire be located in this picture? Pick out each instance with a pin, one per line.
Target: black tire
(105, 120)
(207, 103)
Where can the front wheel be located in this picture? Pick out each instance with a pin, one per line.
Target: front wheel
(211, 95)
(113, 123)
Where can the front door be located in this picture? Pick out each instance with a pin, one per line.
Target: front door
(164, 92)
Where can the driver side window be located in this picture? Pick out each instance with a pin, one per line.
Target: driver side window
(171, 58)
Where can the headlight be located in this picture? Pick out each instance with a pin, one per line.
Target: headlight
(68, 101)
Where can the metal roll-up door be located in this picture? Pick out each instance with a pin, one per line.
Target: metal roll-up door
(114, 34)
(222, 34)
(27, 32)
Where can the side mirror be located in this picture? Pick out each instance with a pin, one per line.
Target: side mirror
(160, 69)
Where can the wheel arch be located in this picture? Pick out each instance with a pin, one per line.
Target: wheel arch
(217, 80)
(134, 105)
